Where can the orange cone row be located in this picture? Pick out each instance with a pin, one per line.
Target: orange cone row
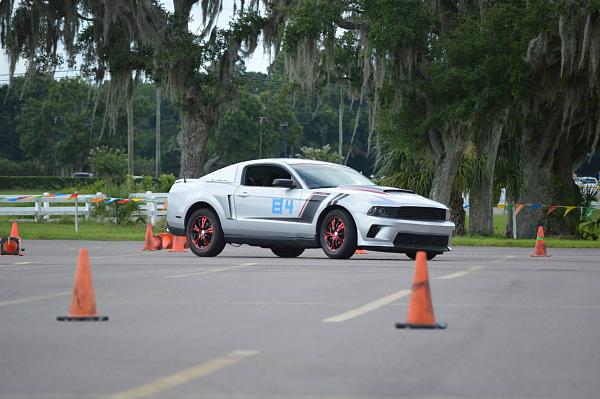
(163, 241)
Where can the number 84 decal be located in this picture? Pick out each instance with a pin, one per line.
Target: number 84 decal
(281, 204)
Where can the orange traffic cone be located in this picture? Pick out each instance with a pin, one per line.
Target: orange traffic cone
(9, 246)
(14, 230)
(179, 244)
(420, 307)
(150, 241)
(540, 245)
(360, 252)
(166, 240)
(83, 303)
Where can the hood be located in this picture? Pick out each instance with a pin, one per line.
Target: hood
(386, 196)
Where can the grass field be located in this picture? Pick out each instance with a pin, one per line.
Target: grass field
(66, 231)
(136, 232)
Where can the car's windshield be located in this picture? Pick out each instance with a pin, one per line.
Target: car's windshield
(321, 176)
(588, 181)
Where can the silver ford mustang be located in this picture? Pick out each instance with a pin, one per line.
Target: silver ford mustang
(289, 205)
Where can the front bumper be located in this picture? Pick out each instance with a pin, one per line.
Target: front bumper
(401, 235)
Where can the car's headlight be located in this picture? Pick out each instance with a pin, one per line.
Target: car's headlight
(381, 211)
(447, 214)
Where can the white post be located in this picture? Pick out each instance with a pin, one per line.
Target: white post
(38, 210)
(514, 221)
(76, 213)
(46, 207)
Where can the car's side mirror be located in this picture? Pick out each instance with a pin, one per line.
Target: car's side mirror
(287, 183)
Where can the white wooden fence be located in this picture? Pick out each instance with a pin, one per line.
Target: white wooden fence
(152, 205)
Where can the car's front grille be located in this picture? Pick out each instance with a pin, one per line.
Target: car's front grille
(420, 240)
(420, 213)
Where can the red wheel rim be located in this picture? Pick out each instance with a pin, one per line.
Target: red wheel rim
(202, 232)
(335, 233)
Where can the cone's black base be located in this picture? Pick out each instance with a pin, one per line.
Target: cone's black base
(91, 318)
(437, 326)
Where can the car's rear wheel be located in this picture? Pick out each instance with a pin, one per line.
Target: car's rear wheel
(337, 234)
(204, 233)
(413, 255)
(287, 252)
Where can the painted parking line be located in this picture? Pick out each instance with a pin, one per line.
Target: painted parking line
(33, 299)
(369, 307)
(184, 376)
(222, 269)
(460, 273)
(361, 310)
(15, 264)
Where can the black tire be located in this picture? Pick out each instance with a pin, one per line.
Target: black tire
(202, 242)
(413, 255)
(287, 252)
(331, 230)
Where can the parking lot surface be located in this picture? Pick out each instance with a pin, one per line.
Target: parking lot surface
(249, 325)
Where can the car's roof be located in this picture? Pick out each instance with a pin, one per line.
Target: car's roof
(287, 161)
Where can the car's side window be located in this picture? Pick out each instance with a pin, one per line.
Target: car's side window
(263, 175)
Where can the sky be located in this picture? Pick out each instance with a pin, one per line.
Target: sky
(257, 63)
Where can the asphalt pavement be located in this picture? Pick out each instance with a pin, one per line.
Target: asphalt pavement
(249, 325)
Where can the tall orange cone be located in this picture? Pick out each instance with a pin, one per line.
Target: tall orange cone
(420, 307)
(179, 244)
(14, 230)
(83, 302)
(540, 245)
(150, 243)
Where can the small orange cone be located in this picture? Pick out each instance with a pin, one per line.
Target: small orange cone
(14, 230)
(149, 242)
(360, 252)
(9, 246)
(540, 245)
(166, 240)
(83, 302)
(179, 244)
(420, 306)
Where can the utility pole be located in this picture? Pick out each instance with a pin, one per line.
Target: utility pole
(157, 156)
(261, 119)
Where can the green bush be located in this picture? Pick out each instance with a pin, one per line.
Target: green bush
(320, 154)
(165, 181)
(13, 168)
(43, 183)
(108, 162)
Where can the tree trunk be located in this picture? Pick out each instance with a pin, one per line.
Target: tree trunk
(129, 109)
(192, 142)
(481, 207)
(448, 150)
(566, 192)
(540, 146)
(457, 213)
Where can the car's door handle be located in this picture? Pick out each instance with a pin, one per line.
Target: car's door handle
(243, 194)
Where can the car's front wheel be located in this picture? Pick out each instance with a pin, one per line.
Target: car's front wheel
(204, 233)
(413, 255)
(287, 252)
(337, 234)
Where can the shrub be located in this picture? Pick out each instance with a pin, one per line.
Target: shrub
(165, 181)
(320, 154)
(108, 162)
